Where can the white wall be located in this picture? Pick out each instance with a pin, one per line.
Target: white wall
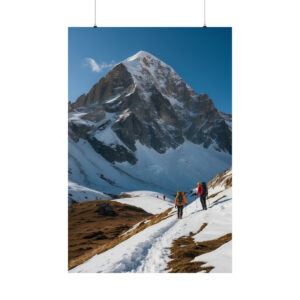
(34, 148)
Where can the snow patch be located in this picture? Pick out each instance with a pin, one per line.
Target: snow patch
(113, 99)
(221, 259)
(152, 203)
(81, 193)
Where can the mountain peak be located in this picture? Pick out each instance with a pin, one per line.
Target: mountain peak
(145, 60)
(140, 55)
(149, 71)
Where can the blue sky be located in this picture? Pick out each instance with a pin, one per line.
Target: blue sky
(201, 56)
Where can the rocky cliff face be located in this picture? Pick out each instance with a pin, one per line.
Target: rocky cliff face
(144, 100)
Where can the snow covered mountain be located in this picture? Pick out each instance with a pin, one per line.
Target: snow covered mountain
(143, 127)
(200, 242)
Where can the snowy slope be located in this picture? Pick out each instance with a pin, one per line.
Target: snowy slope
(80, 193)
(149, 201)
(161, 173)
(148, 250)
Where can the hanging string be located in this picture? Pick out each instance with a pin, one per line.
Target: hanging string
(95, 8)
(204, 14)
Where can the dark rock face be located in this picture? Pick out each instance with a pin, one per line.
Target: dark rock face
(129, 130)
(163, 108)
(209, 128)
(117, 153)
(117, 81)
(78, 131)
(142, 123)
(142, 99)
(70, 107)
(222, 135)
(96, 115)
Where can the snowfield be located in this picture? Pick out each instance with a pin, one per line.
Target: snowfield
(148, 250)
(149, 201)
(81, 193)
(153, 171)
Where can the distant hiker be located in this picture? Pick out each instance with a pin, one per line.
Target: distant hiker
(202, 191)
(180, 200)
(164, 197)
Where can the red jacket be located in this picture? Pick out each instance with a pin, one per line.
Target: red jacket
(200, 190)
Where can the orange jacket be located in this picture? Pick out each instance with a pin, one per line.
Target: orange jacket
(184, 199)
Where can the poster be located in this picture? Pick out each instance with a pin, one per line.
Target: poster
(150, 150)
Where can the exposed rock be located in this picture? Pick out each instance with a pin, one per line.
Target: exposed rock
(78, 130)
(107, 179)
(117, 153)
(118, 80)
(70, 107)
(95, 115)
(128, 129)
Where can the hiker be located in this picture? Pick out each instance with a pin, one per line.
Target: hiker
(180, 200)
(202, 191)
(164, 197)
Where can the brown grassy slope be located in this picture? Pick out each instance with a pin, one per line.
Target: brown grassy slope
(112, 229)
(224, 179)
(96, 223)
(185, 249)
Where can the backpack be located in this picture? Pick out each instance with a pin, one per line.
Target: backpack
(180, 198)
(204, 188)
